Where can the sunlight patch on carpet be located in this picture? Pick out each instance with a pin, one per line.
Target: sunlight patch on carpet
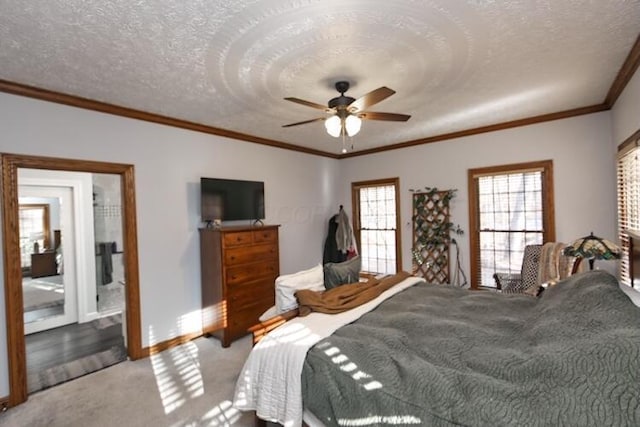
(223, 414)
(178, 376)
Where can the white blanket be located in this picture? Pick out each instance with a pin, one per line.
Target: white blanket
(270, 381)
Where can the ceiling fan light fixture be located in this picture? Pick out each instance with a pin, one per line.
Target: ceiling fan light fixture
(352, 124)
(333, 126)
(347, 113)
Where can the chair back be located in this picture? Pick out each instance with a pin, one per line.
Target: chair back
(540, 264)
(530, 267)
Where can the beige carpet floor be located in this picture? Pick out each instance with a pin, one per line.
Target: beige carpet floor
(190, 385)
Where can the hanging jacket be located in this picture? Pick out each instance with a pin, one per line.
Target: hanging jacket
(345, 238)
(343, 232)
(331, 252)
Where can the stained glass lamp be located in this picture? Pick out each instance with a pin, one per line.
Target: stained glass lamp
(592, 248)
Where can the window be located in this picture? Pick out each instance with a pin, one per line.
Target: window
(510, 207)
(34, 227)
(628, 199)
(376, 218)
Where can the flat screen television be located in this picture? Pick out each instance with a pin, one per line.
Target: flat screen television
(231, 199)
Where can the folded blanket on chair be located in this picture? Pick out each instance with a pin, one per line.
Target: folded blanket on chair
(554, 266)
(345, 297)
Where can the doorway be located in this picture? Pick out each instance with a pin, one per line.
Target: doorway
(68, 333)
(11, 163)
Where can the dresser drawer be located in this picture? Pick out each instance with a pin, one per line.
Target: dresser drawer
(247, 254)
(265, 236)
(244, 318)
(252, 293)
(243, 273)
(237, 238)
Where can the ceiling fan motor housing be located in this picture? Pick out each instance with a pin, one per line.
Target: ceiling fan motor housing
(340, 103)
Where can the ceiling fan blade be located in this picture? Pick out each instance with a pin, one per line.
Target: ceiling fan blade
(392, 117)
(303, 123)
(309, 104)
(371, 98)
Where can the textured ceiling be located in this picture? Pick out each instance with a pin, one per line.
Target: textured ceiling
(455, 65)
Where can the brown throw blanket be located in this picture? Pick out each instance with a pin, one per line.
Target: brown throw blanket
(345, 297)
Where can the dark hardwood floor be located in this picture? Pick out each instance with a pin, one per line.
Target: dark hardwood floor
(50, 348)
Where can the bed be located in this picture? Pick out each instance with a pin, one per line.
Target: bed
(424, 354)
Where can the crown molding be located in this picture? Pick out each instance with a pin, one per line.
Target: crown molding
(103, 107)
(628, 69)
(483, 129)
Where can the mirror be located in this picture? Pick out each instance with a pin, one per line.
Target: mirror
(43, 287)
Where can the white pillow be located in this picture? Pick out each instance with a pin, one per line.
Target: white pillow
(287, 285)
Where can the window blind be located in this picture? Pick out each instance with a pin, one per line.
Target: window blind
(628, 177)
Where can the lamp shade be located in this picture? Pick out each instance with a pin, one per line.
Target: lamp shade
(592, 247)
(333, 126)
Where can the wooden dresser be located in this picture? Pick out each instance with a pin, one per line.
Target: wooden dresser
(44, 264)
(239, 266)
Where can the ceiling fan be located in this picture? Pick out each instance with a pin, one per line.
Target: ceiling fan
(345, 113)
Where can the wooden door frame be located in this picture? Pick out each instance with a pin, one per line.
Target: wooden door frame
(16, 349)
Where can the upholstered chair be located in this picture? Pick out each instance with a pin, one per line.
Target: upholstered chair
(541, 264)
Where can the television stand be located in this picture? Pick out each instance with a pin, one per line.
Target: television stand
(258, 223)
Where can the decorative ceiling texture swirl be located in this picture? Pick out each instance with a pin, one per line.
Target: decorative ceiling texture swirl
(228, 64)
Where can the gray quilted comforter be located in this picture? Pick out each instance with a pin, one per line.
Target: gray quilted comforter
(438, 355)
